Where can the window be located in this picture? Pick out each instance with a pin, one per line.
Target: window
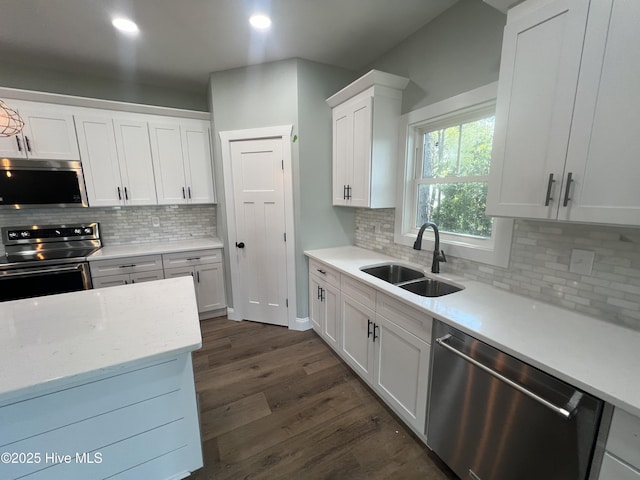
(448, 155)
(452, 178)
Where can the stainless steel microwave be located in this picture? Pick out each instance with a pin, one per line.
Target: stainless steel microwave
(41, 184)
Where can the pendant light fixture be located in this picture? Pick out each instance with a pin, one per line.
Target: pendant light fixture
(10, 122)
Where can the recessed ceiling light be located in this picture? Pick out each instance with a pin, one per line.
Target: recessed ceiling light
(261, 22)
(125, 25)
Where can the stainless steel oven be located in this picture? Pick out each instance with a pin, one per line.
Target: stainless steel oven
(45, 260)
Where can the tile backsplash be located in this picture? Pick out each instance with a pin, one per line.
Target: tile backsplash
(125, 225)
(539, 264)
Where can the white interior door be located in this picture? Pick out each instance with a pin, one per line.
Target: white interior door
(258, 188)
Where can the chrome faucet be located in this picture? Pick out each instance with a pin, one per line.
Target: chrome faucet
(438, 255)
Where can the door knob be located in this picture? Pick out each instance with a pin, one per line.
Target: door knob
(240, 245)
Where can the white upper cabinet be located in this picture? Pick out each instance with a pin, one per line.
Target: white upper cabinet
(116, 160)
(182, 161)
(48, 133)
(603, 158)
(538, 76)
(566, 143)
(365, 140)
(136, 165)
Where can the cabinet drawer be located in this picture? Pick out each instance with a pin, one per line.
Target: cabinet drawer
(624, 437)
(328, 274)
(196, 257)
(415, 322)
(359, 291)
(614, 469)
(144, 263)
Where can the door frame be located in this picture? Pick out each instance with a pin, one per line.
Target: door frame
(282, 132)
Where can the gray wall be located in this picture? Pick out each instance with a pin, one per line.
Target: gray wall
(456, 52)
(318, 223)
(280, 93)
(82, 85)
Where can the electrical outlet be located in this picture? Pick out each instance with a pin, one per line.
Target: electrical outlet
(155, 221)
(581, 261)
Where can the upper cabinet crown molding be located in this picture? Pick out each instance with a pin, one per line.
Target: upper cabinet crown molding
(370, 79)
(56, 99)
(566, 143)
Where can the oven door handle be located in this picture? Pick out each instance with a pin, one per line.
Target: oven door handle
(563, 412)
(23, 272)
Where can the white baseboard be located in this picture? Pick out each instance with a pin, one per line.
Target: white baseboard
(231, 315)
(301, 324)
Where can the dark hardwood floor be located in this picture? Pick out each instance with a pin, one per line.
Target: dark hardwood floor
(276, 403)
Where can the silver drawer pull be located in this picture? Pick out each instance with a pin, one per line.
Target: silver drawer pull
(573, 403)
(193, 258)
(127, 266)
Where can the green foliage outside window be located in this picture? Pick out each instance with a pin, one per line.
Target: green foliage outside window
(452, 190)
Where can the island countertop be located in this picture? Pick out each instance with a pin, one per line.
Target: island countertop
(46, 342)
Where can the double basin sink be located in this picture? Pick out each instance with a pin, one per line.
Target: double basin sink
(411, 280)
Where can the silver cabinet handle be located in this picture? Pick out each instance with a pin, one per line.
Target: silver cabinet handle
(559, 410)
(19, 144)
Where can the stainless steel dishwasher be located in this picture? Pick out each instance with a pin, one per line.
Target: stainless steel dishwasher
(493, 417)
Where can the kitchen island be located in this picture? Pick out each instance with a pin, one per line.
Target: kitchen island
(99, 383)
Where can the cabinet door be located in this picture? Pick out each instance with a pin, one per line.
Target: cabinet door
(210, 287)
(147, 276)
(342, 152)
(399, 351)
(316, 307)
(357, 342)
(196, 151)
(538, 75)
(99, 161)
(110, 280)
(614, 469)
(360, 174)
(332, 320)
(605, 145)
(48, 132)
(136, 166)
(168, 166)
(13, 147)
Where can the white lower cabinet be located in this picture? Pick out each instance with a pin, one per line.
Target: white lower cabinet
(358, 336)
(206, 268)
(622, 451)
(324, 309)
(127, 278)
(123, 271)
(385, 341)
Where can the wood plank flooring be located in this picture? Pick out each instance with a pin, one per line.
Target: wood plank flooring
(280, 404)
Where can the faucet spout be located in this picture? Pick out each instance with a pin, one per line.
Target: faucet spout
(438, 255)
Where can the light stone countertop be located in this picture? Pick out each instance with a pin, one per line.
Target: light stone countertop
(59, 340)
(596, 356)
(139, 249)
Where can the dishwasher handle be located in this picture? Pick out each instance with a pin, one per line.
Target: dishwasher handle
(563, 412)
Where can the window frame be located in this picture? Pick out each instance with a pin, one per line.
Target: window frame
(455, 110)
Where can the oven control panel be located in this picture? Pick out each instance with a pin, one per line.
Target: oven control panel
(49, 233)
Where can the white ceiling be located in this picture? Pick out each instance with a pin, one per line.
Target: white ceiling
(182, 41)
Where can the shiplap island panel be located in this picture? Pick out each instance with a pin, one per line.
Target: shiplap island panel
(99, 383)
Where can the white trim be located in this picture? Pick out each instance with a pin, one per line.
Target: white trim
(72, 100)
(301, 324)
(478, 98)
(231, 315)
(284, 132)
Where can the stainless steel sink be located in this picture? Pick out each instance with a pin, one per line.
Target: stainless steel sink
(411, 280)
(428, 287)
(393, 273)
